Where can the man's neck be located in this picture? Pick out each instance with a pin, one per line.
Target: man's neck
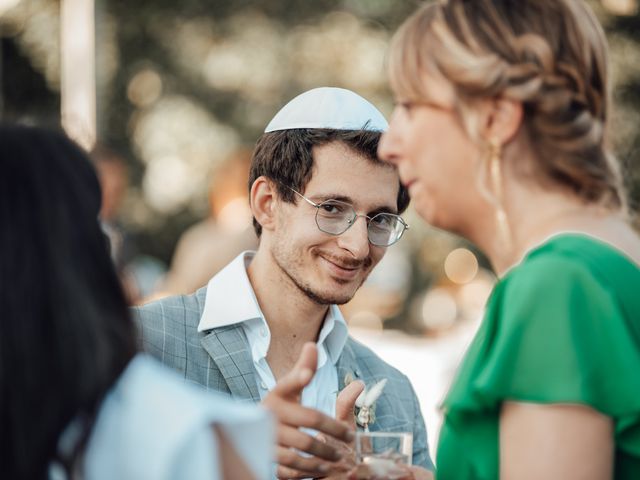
(293, 318)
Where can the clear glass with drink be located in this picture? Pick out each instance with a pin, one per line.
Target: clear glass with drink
(380, 454)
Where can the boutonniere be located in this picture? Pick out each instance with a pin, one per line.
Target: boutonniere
(365, 407)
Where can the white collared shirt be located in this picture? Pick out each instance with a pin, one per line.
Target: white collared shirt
(231, 300)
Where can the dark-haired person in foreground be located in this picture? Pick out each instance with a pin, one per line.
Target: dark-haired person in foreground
(325, 209)
(76, 400)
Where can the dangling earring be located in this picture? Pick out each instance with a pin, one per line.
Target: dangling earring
(495, 168)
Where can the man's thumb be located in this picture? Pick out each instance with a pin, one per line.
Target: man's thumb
(346, 401)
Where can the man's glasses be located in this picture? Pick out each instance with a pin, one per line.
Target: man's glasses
(335, 217)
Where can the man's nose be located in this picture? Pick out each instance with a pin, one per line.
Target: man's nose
(356, 238)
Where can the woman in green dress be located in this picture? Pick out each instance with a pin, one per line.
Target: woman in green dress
(500, 134)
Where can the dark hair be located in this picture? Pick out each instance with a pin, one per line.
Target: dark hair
(286, 157)
(65, 332)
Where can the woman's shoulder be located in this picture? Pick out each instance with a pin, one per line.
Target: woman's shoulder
(568, 291)
(591, 251)
(150, 414)
(572, 259)
(150, 389)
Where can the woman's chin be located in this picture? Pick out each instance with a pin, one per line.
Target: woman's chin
(426, 210)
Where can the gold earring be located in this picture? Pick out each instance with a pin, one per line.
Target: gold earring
(495, 167)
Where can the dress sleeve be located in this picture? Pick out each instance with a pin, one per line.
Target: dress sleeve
(198, 457)
(251, 433)
(253, 436)
(557, 333)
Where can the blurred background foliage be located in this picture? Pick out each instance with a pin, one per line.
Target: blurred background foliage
(183, 86)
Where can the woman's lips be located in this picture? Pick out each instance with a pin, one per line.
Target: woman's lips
(408, 183)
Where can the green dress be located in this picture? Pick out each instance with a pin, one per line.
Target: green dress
(561, 327)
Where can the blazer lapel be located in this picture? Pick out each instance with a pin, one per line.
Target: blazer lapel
(229, 349)
(347, 367)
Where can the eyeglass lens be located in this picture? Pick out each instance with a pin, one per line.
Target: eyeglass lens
(335, 217)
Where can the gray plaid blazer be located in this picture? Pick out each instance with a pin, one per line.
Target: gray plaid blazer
(220, 360)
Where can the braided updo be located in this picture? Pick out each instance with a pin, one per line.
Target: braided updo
(551, 55)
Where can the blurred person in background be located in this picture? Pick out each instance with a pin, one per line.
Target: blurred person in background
(139, 274)
(206, 247)
(500, 135)
(76, 399)
(325, 210)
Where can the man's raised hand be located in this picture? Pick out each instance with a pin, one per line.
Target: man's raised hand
(284, 402)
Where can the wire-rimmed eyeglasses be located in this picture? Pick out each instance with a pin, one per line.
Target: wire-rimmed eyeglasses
(336, 217)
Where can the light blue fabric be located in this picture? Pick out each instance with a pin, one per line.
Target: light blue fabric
(152, 425)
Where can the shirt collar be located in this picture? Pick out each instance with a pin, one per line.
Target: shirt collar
(333, 334)
(230, 300)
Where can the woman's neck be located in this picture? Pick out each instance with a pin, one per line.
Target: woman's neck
(533, 215)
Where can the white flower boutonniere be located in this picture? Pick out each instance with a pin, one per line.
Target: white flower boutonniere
(366, 404)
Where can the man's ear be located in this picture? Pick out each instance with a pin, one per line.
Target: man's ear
(502, 120)
(263, 197)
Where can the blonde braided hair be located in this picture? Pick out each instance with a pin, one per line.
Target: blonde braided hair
(551, 55)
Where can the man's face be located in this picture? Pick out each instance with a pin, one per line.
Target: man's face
(327, 268)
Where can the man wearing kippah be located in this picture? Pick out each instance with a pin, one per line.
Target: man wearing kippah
(325, 210)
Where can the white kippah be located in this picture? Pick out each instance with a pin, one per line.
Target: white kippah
(328, 107)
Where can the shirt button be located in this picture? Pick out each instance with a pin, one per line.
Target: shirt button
(263, 385)
(263, 332)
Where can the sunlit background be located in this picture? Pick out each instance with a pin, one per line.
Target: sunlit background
(175, 95)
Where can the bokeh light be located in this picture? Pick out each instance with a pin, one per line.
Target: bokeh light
(439, 309)
(36, 25)
(473, 296)
(621, 7)
(461, 266)
(144, 88)
(180, 142)
(6, 5)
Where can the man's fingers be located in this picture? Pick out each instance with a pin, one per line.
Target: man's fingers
(286, 473)
(308, 466)
(294, 438)
(346, 401)
(298, 416)
(292, 384)
(308, 358)
(418, 473)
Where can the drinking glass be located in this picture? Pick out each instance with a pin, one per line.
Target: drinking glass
(378, 454)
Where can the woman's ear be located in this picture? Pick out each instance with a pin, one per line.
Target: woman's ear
(262, 198)
(502, 120)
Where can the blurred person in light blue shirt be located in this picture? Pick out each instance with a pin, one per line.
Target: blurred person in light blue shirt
(76, 399)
